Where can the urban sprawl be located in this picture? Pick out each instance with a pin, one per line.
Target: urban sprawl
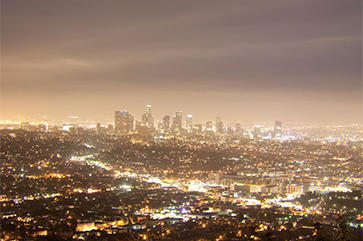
(173, 179)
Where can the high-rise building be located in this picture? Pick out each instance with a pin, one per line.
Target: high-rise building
(124, 122)
(99, 128)
(177, 122)
(198, 129)
(209, 125)
(256, 132)
(166, 120)
(141, 129)
(130, 123)
(230, 131)
(278, 129)
(147, 118)
(219, 125)
(189, 124)
(238, 130)
(109, 129)
(160, 126)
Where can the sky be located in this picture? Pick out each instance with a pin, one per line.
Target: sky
(261, 60)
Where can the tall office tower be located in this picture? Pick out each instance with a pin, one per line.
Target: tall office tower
(230, 131)
(209, 125)
(198, 129)
(219, 125)
(278, 129)
(166, 120)
(124, 122)
(148, 110)
(130, 123)
(99, 128)
(147, 118)
(109, 129)
(256, 132)
(238, 130)
(160, 125)
(177, 122)
(189, 124)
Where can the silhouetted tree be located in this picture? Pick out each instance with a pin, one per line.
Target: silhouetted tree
(343, 230)
(319, 232)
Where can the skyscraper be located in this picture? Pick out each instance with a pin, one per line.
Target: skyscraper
(99, 128)
(160, 126)
(238, 130)
(124, 122)
(209, 125)
(166, 120)
(147, 118)
(177, 122)
(198, 129)
(130, 123)
(189, 123)
(278, 129)
(256, 132)
(219, 125)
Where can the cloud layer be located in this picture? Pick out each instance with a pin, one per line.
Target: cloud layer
(245, 61)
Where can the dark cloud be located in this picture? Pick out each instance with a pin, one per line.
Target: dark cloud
(255, 55)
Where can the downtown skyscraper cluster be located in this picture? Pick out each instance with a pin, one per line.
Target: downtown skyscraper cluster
(125, 124)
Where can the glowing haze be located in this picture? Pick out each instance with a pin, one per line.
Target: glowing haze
(241, 60)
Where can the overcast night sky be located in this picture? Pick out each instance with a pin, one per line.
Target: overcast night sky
(241, 60)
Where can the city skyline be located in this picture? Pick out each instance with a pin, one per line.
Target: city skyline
(256, 61)
(181, 120)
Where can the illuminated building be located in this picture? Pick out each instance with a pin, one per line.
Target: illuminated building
(87, 226)
(219, 125)
(278, 129)
(26, 126)
(230, 131)
(209, 125)
(198, 129)
(141, 128)
(252, 188)
(164, 124)
(67, 127)
(160, 126)
(227, 180)
(166, 121)
(256, 132)
(189, 123)
(109, 129)
(308, 187)
(268, 189)
(238, 130)
(214, 178)
(295, 188)
(124, 122)
(147, 118)
(99, 128)
(42, 127)
(177, 122)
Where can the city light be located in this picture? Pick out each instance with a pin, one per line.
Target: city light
(181, 120)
